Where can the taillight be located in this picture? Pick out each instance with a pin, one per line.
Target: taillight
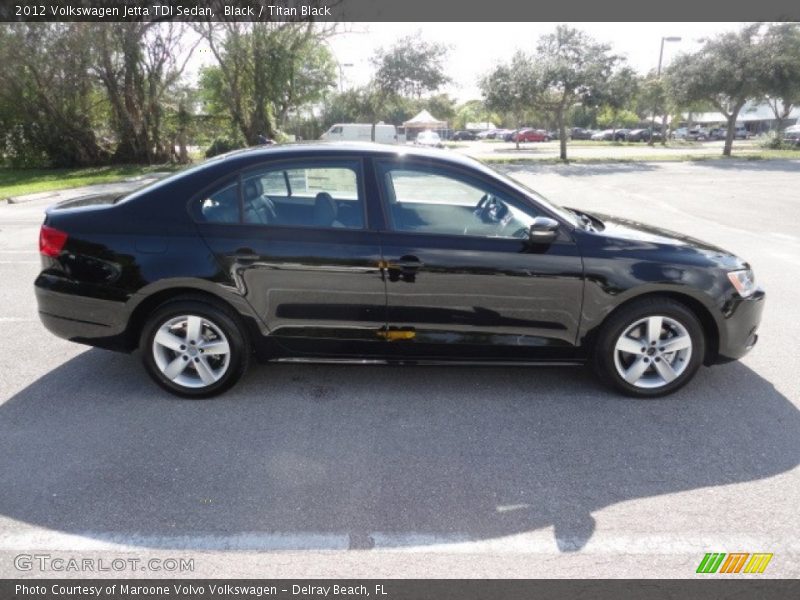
(51, 241)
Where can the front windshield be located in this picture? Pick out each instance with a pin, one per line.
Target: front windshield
(521, 187)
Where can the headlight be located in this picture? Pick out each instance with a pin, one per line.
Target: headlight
(744, 281)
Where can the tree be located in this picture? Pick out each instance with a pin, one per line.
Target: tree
(473, 111)
(365, 105)
(608, 118)
(726, 72)
(780, 72)
(510, 88)
(139, 64)
(350, 106)
(651, 98)
(265, 70)
(49, 108)
(441, 106)
(571, 67)
(411, 68)
(617, 98)
(568, 67)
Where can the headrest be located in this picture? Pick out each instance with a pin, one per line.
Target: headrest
(253, 188)
(324, 209)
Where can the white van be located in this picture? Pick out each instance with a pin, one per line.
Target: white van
(360, 132)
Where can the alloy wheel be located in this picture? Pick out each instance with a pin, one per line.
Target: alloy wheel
(653, 352)
(191, 351)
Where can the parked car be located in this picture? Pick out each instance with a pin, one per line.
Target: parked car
(428, 138)
(486, 134)
(463, 135)
(503, 134)
(679, 133)
(579, 133)
(342, 252)
(608, 135)
(642, 135)
(721, 133)
(791, 135)
(717, 133)
(694, 134)
(531, 135)
(508, 134)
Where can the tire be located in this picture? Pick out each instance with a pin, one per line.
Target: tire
(199, 371)
(632, 351)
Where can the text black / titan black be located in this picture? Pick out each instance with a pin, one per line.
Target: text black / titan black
(364, 252)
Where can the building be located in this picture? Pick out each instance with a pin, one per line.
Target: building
(755, 117)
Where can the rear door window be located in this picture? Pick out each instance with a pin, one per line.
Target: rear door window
(311, 194)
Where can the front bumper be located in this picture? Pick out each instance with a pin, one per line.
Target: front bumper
(740, 327)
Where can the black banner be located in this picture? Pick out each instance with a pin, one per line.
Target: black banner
(392, 10)
(393, 589)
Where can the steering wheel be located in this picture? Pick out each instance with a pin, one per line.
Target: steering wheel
(490, 210)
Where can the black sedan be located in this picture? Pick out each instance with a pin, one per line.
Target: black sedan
(366, 253)
(642, 135)
(463, 135)
(579, 133)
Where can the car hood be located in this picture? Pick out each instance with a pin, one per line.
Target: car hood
(640, 234)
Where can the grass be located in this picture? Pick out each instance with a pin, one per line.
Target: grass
(19, 182)
(755, 154)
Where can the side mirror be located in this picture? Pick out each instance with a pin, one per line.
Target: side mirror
(543, 230)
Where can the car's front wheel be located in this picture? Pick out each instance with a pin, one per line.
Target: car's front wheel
(193, 349)
(650, 348)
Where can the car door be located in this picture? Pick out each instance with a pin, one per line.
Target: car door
(297, 246)
(463, 283)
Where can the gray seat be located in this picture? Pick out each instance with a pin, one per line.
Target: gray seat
(326, 211)
(258, 207)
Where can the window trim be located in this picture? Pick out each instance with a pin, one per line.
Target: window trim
(356, 161)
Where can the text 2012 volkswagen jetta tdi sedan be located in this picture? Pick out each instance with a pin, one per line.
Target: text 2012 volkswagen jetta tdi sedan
(369, 252)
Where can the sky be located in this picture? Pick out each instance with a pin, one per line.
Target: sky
(476, 47)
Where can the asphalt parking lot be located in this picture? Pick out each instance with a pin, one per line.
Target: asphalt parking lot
(305, 471)
(601, 151)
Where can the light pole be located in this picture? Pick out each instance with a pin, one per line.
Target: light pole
(658, 76)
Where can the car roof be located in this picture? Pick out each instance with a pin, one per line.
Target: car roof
(345, 149)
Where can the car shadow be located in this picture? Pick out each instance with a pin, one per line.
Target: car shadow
(416, 454)
(743, 164)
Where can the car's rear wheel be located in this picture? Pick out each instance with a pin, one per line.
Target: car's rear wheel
(651, 348)
(193, 349)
